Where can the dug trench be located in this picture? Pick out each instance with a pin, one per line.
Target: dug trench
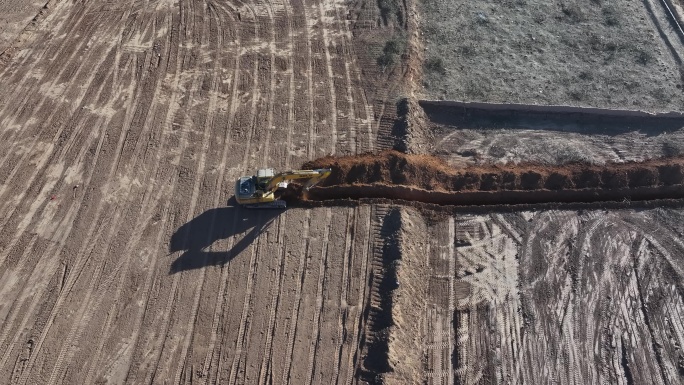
(394, 175)
(392, 347)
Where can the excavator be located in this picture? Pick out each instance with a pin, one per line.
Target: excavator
(265, 189)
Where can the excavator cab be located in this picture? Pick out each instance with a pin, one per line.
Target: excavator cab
(263, 189)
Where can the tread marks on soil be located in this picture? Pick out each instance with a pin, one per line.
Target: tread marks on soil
(28, 65)
(241, 341)
(150, 203)
(663, 29)
(373, 359)
(198, 37)
(220, 305)
(265, 370)
(356, 331)
(292, 328)
(70, 282)
(39, 169)
(649, 326)
(311, 150)
(206, 144)
(315, 336)
(342, 331)
(159, 343)
(327, 43)
(271, 75)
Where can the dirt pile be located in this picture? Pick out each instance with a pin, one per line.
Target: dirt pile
(425, 178)
(431, 173)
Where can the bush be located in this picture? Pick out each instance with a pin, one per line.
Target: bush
(393, 48)
(572, 12)
(611, 17)
(435, 64)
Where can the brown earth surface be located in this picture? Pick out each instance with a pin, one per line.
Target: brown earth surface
(549, 296)
(124, 125)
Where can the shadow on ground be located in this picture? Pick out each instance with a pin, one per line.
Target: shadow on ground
(196, 237)
(518, 118)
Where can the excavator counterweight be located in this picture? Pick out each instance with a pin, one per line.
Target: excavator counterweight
(265, 189)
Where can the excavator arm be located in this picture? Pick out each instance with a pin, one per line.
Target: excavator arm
(313, 176)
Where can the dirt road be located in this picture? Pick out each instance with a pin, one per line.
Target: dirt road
(124, 126)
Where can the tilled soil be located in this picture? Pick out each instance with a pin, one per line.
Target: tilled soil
(553, 296)
(123, 127)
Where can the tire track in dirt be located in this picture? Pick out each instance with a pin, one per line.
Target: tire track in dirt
(149, 204)
(167, 217)
(341, 317)
(315, 334)
(292, 326)
(220, 305)
(117, 153)
(245, 309)
(25, 261)
(330, 78)
(278, 13)
(92, 27)
(54, 157)
(28, 66)
(356, 329)
(211, 112)
(192, 36)
(225, 273)
(74, 206)
(309, 78)
(247, 164)
(265, 367)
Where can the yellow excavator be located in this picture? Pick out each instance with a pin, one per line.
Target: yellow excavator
(265, 189)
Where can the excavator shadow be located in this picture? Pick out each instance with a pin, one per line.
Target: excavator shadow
(195, 238)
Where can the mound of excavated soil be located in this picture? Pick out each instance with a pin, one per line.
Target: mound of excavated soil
(430, 173)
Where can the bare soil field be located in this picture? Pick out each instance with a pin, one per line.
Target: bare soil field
(18, 19)
(554, 296)
(123, 258)
(619, 54)
(124, 125)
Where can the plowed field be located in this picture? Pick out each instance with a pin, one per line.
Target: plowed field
(124, 127)
(123, 258)
(554, 297)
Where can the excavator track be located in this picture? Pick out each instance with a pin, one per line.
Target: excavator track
(279, 204)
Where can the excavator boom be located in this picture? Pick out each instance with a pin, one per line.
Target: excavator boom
(264, 189)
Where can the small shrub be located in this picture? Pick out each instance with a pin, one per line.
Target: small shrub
(467, 50)
(435, 64)
(643, 57)
(578, 94)
(660, 95)
(572, 12)
(586, 75)
(386, 60)
(390, 9)
(393, 48)
(611, 17)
